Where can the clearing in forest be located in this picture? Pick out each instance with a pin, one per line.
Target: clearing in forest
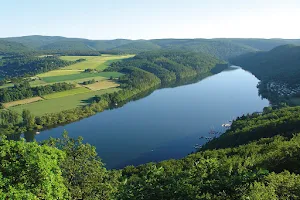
(60, 72)
(21, 102)
(53, 79)
(74, 91)
(102, 85)
(60, 104)
(93, 62)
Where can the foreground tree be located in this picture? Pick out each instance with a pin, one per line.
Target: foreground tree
(30, 171)
(84, 174)
(28, 119)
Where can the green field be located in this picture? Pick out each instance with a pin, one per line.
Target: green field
(53, 79)
(74, 91)
(78, 81)
(74, 58)
(60, 104)
(93, 62)
(59, 72)
(7, 85)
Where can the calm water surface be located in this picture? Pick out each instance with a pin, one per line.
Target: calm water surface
(167, 123)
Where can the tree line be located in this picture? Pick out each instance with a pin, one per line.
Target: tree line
(23, 90)
(28, 65)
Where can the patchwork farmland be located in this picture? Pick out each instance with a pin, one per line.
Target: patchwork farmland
(99, 83)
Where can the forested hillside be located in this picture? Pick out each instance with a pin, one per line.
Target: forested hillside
(135, 47)
(281, 64)
(260, 167)
(220, 48)
(11, 47)
(262, 44)
(278, 70)
(170, 65)
(67, 46)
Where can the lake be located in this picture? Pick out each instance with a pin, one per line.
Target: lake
(168, 122)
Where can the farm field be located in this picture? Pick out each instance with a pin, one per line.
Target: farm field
(21, 102)
(74, 91)
(93, 62)
(102, 85)
(37, 82)
(53, 79)
(60, 104)
(60, 72)
(6, 85)
(78, 81)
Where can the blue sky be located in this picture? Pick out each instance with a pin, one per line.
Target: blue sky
(140, 19)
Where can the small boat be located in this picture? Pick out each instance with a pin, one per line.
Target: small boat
(226, 125)
(197, 146)
(37, 132)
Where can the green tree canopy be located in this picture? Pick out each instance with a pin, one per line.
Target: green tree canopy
(30, 171)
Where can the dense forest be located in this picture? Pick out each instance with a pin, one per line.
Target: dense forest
(170, 65)
(14, 66)
(7, 47)
(262, 167)
(281, 64)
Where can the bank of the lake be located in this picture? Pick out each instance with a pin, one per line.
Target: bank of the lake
(167, 123)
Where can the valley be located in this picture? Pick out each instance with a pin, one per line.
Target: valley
(153, 112)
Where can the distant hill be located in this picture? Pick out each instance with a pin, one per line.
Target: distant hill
(221, 48)
(67, 46)
(104, 45)
(11, 47)
(36, 41)
(263, 44)
(136, 47)
(281, 64)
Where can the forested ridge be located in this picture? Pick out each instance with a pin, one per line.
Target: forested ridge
(281, 64)
(170, 65)
(221, 48)
(277, 69)
(262, 167)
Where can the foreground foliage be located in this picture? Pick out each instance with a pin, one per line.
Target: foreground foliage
(261, 168)
(30, 171)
